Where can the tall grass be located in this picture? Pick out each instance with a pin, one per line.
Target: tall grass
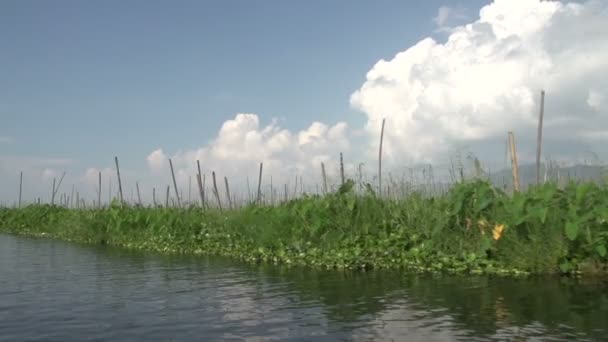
(472, 228)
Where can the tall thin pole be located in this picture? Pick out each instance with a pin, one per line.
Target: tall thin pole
(53, 192)
(138, 193)
(324, 178)
(179, 203)
(380, 158)
(201, 192)
(539, 140)
(342, 168)
(71, 203)
(99, 192)
(215, 192)
(514, 165)
(20, 188)
(167, 196)
(189, 189)
(154, 196)
(228, 192)
(259, 199)
(122, 202)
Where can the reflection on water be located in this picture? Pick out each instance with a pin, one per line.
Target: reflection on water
(55, 291)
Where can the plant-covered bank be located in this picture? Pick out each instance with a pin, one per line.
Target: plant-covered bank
(474, 228)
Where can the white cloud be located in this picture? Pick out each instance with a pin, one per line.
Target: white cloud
(486, 78)
(157, 160)
(448, 16)
(242, 143)
(438, 97)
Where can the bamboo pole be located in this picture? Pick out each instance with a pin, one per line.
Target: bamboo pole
(205, 194)
(324, 178)
(249, 195)
(341, 168)
(53, 192)
(259, 199)
(271, 192)
(138, 193)
(122, 202)
(215, 192)
(539, 140)
(179, 204)
(380, 158)
(228, 192)
(71, 203)
(20, 187)
(167, 196)
(514, 165)
(99, 192)
(201, 191)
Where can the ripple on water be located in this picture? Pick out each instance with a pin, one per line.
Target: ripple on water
(55, 291)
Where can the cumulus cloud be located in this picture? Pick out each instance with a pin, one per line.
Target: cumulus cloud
(485, 79)
(157, 160)
(447, 16)
(242, 143)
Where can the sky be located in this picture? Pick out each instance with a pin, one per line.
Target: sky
(290, 84)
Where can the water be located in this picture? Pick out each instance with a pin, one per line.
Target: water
(57, 291)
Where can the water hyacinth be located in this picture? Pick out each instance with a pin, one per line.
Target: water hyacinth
(473, 228)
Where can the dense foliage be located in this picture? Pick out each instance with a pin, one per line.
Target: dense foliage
(474, 228)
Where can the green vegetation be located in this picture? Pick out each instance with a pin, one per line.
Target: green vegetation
(474, 228)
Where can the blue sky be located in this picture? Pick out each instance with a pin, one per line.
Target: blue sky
(86, 80)
(148, 80)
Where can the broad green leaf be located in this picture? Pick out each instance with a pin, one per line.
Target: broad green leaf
(601, 250)
(565, 267)
(571, 231)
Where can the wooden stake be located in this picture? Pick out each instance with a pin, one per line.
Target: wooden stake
(380, 158)
(167, 196)
(215, 192)
(514, 165)
(342, 168)
(53, 192)
(99, 192)
(271, 192)
(71, 203)
(201, 192)
(324, 178)
(539, 140)
(122, 202)
(20, 188)
(259, 199)
(138, 193)
(228, 192)
(249, 196)
(179, 204)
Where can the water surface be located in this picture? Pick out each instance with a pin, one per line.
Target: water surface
(58, 291)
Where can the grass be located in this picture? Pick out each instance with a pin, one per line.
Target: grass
(474, 228)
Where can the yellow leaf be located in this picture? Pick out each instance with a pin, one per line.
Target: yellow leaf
(497, 231)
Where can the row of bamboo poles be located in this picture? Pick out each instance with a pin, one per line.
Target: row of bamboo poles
(74, 199)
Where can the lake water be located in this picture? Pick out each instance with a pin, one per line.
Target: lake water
(58, 291)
